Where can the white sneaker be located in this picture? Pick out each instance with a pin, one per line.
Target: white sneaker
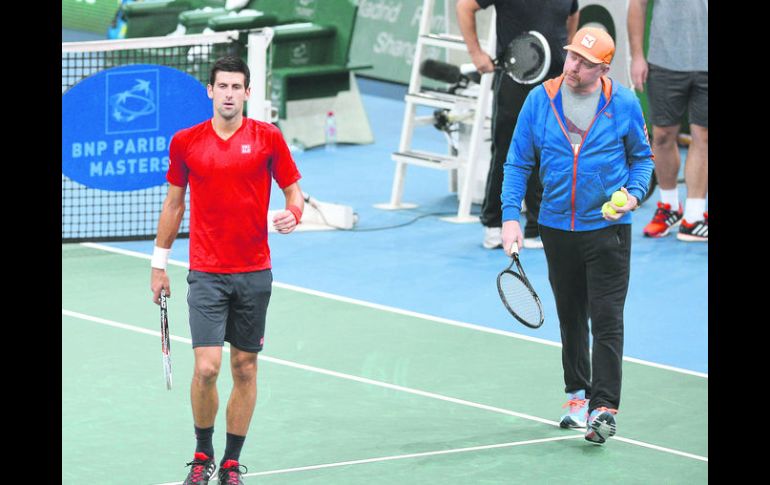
(533, 243)
(493, 237)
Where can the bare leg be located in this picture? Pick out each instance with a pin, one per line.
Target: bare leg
(696, 169)
(667, 159)
(203, 390)
(243, 398)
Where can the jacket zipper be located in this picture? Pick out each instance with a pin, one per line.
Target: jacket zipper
(576, 153)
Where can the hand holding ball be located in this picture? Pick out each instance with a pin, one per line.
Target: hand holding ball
(607, 209)
(619, 198)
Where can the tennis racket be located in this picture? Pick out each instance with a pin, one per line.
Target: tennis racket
(165, 339)
(527, 58)
(517, 294)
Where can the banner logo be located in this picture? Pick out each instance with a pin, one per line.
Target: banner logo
(132, 107)
(117, 124)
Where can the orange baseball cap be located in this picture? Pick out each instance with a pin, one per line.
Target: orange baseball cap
(594, 44)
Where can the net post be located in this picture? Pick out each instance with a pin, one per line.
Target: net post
(260, 107)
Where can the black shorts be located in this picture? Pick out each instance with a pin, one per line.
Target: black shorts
(671, 93)
(229, 307)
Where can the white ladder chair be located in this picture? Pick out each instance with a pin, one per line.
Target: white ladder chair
(418, 96)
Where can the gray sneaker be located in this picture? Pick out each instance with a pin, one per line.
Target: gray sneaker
(601, 425)
(578, 410)
(533, 243)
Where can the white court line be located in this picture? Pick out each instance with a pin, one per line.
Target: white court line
(365, 380)
(400, 457)
(400, 311)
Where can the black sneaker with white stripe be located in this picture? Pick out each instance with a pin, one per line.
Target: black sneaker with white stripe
(230, 473)
(698, 231)
(202, 470)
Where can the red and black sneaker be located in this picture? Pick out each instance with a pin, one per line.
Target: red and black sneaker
(663, 220)
(202, 470)
(698, 231)
(230, 473)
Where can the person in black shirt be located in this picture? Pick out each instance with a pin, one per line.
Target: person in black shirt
(557, 21)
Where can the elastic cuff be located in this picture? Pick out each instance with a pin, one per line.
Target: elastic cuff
(636, 193)
(511, 214)
(296, 211)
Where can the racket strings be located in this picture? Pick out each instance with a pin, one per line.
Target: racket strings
(526, 57)
(520, 299)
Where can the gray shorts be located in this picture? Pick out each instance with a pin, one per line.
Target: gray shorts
(229, 307)
(671, 93)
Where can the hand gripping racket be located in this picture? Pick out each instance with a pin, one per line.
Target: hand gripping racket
(526, 60)
(517, 293)
(165, 339)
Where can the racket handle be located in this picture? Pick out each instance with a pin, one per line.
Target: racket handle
(514, 247)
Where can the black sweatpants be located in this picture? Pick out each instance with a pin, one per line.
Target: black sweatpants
(589, 273)
(509, 98)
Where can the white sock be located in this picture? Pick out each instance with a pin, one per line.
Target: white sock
(694, 209)
(670, 196)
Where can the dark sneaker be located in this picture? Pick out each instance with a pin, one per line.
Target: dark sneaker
(663, 220)
(230, 473)
(202, 470)
(601, 425)
(698, 231)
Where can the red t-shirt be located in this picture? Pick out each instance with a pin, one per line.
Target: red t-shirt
(230, 184)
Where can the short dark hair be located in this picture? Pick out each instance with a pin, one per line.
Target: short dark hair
(230, 64)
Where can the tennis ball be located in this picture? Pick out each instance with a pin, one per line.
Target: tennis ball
(607, 209)
(619, 198)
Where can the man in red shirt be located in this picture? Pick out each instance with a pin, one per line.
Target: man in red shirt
(229, 162)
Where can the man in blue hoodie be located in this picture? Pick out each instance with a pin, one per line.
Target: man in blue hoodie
(588, 134)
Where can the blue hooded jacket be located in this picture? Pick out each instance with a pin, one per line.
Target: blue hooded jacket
(615, 153)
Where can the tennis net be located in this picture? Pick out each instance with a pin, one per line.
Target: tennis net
(94, 214)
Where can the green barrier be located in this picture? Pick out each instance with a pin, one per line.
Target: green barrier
(92, 16)
(297, 83)
(311, 45)
(159, 17)
(195, 21)
(256, 20)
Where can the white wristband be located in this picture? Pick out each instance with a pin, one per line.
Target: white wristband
(160, 257)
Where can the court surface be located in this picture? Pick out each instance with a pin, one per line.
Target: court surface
(388, 356)
(349, 393)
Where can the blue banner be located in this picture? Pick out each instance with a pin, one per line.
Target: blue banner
(118, 123)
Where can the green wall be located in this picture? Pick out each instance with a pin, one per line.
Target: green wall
(386, 35)
(88, 15)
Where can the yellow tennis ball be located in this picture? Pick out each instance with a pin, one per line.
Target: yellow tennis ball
(619, 198)
(607, 209)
